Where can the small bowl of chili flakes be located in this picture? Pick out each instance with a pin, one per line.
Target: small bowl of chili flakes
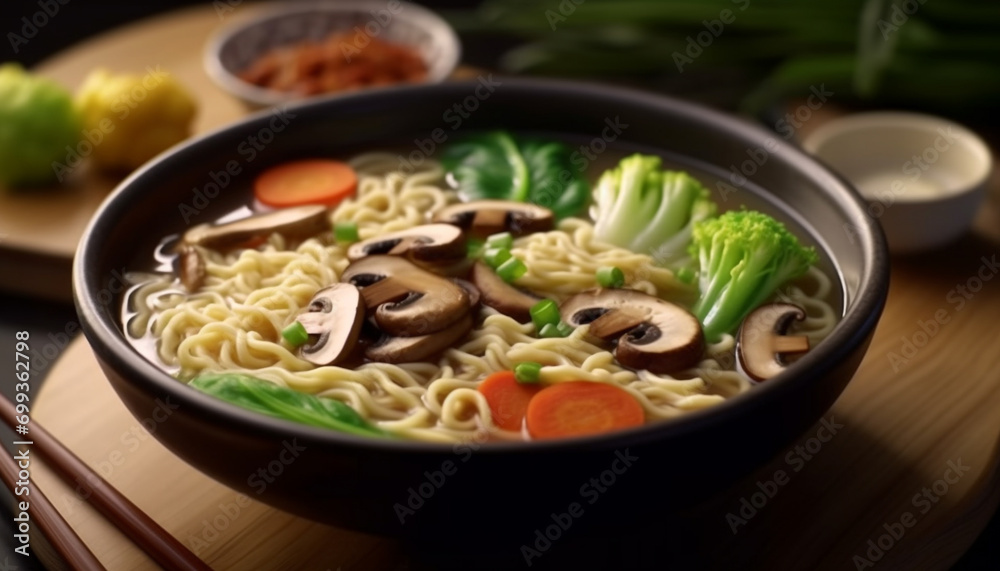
(306, 49)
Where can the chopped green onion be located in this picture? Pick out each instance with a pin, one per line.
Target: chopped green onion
(511, 270)
(550, 330)
(543, 313)
(527, 372)
(473, 248)
(565, 329)
(501, 240)
(685, 275)
(496, 256)
(346, 232)
(610, 276)
(295, 334)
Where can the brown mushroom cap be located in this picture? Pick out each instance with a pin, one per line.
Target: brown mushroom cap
(762, 340)
(300, 222)
(191, 268)
(458, 268)
(409, 349)
(474, 294)
(500, 295)
(432, 242)
(652, 334)
(335, 314)
(484, 217)
(410, 301)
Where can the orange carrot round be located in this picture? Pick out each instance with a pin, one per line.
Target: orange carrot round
(508, 399)
(313, 181)
(579, 408)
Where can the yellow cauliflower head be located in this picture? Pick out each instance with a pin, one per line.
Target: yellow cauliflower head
(129, 119)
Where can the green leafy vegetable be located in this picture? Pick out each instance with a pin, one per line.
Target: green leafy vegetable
(648, 210)
(743, 257)
(885, 53)
(495, 165)
(268, 398)
(37, 124)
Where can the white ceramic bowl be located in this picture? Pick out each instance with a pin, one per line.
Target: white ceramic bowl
(235, 47)
(924, 177)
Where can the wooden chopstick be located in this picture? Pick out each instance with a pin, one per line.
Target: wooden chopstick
(139, 527)
(43, 514)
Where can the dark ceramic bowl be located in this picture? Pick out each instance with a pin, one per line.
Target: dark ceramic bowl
(443, 492)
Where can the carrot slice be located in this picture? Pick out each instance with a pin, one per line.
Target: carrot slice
(508, 399)
(314, 181)
(579, 408)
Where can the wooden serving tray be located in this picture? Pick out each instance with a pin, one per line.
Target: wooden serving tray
(902, 426)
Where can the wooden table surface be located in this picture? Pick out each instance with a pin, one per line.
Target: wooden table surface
(905, 422)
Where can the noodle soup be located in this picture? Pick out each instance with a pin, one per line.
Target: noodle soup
(567, 312)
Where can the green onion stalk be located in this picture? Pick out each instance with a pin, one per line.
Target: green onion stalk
(938, 56)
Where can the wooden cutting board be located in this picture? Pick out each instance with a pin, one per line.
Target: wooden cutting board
(903, 426)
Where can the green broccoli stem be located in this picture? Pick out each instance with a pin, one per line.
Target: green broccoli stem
(744, 257)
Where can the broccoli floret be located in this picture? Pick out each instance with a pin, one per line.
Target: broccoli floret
(648, 210)
(743, 257)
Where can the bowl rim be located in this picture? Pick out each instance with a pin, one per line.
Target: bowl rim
(108, 341)
(212, 62)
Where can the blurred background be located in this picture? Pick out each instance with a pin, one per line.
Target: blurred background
(912, 54)
(935, 56)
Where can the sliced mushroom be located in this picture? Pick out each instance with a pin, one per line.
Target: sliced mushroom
(409, 301)
(652, 334)
(434, 242)
(297, 223)
(500, 295)
(484, 217)
(335, 315)
(450, 268)
(390, 349)
(191, 268)
(474, 294)
(763, 340)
